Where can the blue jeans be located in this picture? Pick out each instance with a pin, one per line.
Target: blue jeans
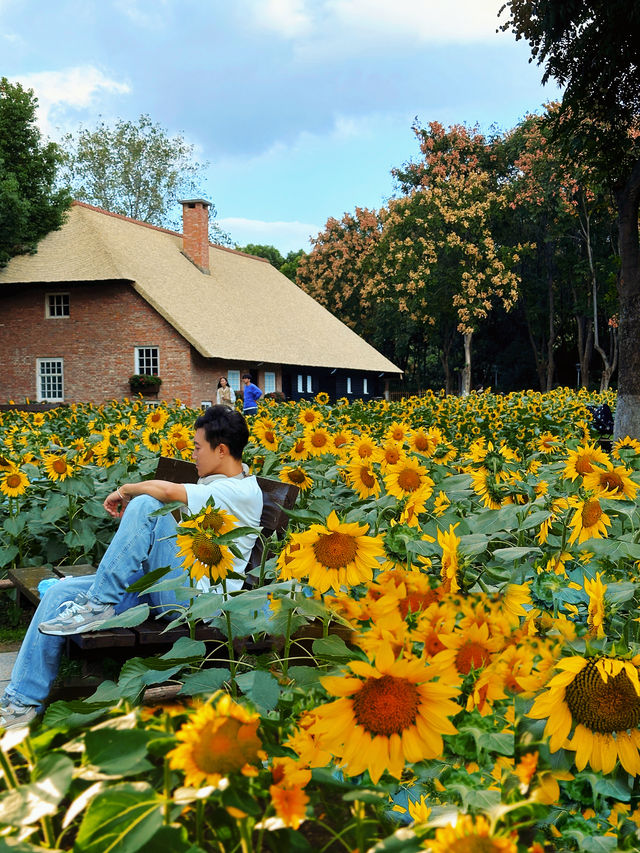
(138, 546)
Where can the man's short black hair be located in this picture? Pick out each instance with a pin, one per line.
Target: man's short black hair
(224, 426)
(246, 376)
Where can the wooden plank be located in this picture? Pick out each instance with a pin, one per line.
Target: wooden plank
(27, 578)
(78, 570)
(150, 633)
(115, 638)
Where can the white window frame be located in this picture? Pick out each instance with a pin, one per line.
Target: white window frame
(269, 381)
(365, 385)
(41, 392)
(143, 355)
(60, 302)
(300, 385)
(233, 378)
(309, 385)
(349, 391)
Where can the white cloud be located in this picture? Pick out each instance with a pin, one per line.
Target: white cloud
(285, 236)
(78, 88)
(443, 21)
(288, 18)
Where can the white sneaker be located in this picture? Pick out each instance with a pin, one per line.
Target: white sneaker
(12, 715)
(77, 617)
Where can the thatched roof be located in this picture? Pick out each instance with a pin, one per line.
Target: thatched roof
(283, 325)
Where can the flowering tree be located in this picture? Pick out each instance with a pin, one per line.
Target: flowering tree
(452, 261)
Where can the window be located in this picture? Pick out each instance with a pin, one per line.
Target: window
(365, 385)
(269, 382)
(349, 391)
(57, 305)
(147, 360)
(233, 378)
(300, 385)
(205, 404)
(309, 385)
(50, 380)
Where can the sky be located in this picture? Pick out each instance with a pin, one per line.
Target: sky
(298, 108)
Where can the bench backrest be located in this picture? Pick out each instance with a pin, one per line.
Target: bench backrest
(276, 497)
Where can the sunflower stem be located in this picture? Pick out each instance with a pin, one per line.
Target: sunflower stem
(287, 644)
(7, 768)
(199, 822)
(233, 666)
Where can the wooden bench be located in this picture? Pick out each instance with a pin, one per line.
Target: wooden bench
(277, 497)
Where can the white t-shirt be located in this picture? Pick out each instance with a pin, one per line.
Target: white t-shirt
(242, 497)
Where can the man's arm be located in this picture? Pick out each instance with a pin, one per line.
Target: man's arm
(163, 490)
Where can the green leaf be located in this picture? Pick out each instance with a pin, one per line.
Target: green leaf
(305, 676)
(260, 687)
(15, 524)
(332, 648)
(511, 555)
(57, 507)
(118, 751)
(148, 579)
(206, 681)
(593, 843)
(402, 841)
(69, 715)
(474, 798)
(185, 649)
(120, 820)
(7, 554)
(27, 804)
(128, 618)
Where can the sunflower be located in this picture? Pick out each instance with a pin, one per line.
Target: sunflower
(596, 590)
(388, 713)
(265, 434)
(297, 477)
(398, 431)
(364, 447)
(57, 466)
(406, 477)
(581, 461)
(472, 648)
(471, 835)
(362, 478)
(613, 482)
(203, 556)
(322, 398)
(219, 739)
(290, 805)
(449, 543)
(151, 439)
(589, 520)
(423, 441)
(441, 504)
(318, 441)
(626, 444)
(299, 451)
(309, 417)
(157, 418)
(13, 482)
(335, 554)
(599, 699)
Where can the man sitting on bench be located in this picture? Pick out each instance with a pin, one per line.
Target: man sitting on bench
(141, 544)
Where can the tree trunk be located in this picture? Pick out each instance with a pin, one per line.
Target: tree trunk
(612, 361)
(607, 367)
(585, 347)
(551, 363)
(466, 370)
(627, 418)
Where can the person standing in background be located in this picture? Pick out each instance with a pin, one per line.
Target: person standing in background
(251, 395)
(225, 395)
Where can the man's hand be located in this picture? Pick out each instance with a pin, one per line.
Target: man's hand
(114, 505)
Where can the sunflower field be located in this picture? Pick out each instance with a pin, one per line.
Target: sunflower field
(443, 654)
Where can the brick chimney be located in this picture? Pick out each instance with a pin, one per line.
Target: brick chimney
(195, 232)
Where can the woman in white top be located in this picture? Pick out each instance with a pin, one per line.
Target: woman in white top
(225, 395)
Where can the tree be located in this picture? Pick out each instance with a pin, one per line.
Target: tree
(135, 169)
(453, 259)
(30, 206)
(591, 47)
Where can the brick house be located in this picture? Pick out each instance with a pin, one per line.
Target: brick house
(106, 297)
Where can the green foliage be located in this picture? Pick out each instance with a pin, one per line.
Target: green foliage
(30, 205)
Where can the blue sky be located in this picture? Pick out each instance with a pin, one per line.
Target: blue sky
(300, 107)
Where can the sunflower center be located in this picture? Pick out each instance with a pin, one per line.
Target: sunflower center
(181, 444)
(583, 465)
(392, 456)
(367, 479)
(473, 844)
(318, 439)
(212, 521)
(205, 550)
(386, 705)
(421, 442)
(297, 476)
(409, 480)
(612, 482)
(335, 550)
(339, 440)
(606, 708)
(225, 747)
(591, 513)
(13, 481)
(470, 656)
(299, 446)
(60, 466)
(365, 450)
(309, 417)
